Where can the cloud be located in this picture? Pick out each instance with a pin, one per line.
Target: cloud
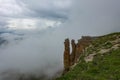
(93, 17)
(9, 8)
(31, 24)
(45, 8)
(38, 8)
(37, 54)
(19, 14)
(2, 22)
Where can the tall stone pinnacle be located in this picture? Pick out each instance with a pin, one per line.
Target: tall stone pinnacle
(73, 53)
(67, 55)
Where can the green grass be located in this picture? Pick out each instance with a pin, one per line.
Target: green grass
(103, 67)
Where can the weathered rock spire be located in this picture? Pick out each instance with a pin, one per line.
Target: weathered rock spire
(73, 53)
(77, 49)
(66, 55)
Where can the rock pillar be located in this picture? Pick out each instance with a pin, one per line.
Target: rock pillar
(73, 53)
(67, 55)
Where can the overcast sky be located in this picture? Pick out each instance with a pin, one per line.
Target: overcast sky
(83, 16)
(29, 14)
(38, 29)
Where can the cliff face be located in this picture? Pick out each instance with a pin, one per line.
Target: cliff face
(67, 55)
(70, 58)
(73, 53)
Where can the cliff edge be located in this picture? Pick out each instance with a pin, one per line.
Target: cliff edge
(92, 58)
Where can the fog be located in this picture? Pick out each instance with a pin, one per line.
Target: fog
(32, 54)
(40, 52)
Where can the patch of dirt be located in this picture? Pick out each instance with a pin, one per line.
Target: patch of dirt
(116, 45)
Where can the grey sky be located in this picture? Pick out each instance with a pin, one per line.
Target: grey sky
(34, 8)
(33, 13)
(93, 15)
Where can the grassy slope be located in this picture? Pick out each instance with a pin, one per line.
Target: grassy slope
(103, 67)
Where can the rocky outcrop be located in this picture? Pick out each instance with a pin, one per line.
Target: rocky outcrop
(77, 49)
(73, 53)
(67, 55)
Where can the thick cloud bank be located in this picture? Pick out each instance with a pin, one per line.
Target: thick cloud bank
(38, 54)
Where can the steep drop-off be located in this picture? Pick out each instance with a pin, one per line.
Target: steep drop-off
(70, 58)
(92, 58)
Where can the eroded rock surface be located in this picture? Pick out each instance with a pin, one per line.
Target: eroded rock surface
(67, 55)
(77, 49)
